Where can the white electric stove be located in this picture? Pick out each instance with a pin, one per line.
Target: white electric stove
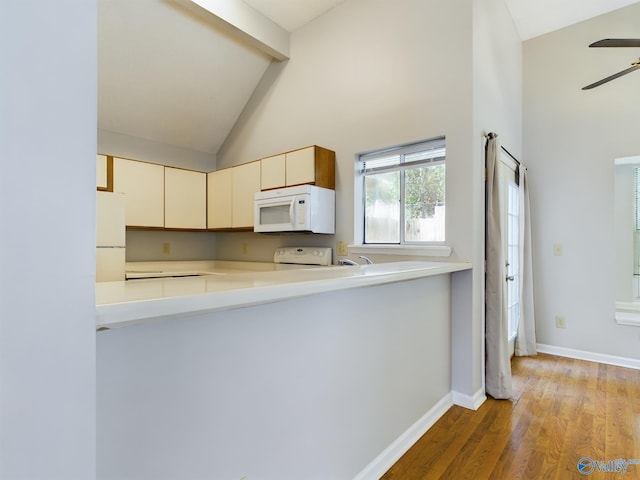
(311, 256)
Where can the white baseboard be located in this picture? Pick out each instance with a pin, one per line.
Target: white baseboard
(467, 401)
(590, 356)
(390, 455)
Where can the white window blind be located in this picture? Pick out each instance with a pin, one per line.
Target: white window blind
(432, 152)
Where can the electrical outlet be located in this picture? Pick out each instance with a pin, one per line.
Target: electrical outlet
(245, 248)
(166, 248)
(342, 249)
(558, 249)
(561, 322)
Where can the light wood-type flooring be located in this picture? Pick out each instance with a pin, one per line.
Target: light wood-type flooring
(563, 410)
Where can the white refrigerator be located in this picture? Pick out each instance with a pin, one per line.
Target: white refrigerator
(110, 237)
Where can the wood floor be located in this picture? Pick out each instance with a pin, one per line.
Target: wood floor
(562, 411)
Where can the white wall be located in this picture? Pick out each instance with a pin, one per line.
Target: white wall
(497, 72)
(147, 245)
(571, 138)
(308, 388)
(366, 75)
(47, 255)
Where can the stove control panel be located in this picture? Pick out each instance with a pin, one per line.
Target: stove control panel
(303, 255)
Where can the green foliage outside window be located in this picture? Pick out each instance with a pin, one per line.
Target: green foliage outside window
(424, 189)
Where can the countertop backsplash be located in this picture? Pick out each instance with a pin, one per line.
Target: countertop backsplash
(151, 246)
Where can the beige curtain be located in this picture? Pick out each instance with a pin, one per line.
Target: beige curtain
(498, 366)
(526, 338)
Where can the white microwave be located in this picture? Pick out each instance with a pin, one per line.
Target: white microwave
(303, 208)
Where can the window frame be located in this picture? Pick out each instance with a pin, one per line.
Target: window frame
(427, 247)
(636, 233)
(627, 311)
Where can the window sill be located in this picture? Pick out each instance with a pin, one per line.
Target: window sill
(628, 313)
(413, 250)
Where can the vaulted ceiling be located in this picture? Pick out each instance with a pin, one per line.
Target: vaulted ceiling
(168, 75)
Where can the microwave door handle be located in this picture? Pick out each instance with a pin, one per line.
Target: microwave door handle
(292, 211)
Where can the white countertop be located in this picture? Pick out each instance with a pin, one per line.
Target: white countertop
(228, 285)
(201, 267)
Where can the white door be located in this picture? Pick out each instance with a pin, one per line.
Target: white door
(510, 200)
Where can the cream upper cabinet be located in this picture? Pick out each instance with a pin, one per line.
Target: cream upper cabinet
(185, 199)
(245, 183)
(314, 164)
(143, 186)
(311, 165)
(101, 172)
(300, 166)
(273, 172)
(219, 198)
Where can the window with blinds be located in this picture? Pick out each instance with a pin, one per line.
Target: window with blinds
(404, 193)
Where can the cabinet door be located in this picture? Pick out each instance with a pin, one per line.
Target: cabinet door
(272, 172)
(185, 199)
(246, 182)
(143, 186)
(219, 199)
(301, 166)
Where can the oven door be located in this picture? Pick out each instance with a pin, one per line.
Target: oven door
(275, 215)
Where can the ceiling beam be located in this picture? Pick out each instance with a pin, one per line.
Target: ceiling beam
(237, 16)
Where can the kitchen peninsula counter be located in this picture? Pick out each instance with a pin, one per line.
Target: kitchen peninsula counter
(312, 372)
(219, 286)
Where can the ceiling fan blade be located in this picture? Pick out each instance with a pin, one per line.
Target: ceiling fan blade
(617, 42)
(634, 67)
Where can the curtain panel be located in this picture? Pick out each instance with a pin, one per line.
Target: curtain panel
(498, 358)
